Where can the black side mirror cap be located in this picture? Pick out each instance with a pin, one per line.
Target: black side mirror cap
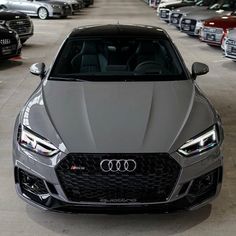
(199, 68)
(38, 69)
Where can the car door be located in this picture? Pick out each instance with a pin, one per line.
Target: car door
(14, 4)
(27, 6)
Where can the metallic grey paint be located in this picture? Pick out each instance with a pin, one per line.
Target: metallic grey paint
(117, 117)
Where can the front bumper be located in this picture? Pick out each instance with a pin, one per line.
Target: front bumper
(165, 14)
(61, 12)
(188, 193)
(190, 27)
(12, 54)
(212, 36)
(230, 49)
(175, 19)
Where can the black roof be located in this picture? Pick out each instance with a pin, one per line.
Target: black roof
(118, 30)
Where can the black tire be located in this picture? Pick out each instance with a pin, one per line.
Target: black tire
(43, 13)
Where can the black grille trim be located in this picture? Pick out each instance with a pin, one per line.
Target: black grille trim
(153, 180)
(21, 26)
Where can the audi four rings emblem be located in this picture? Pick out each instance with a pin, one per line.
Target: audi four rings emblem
(118, 165)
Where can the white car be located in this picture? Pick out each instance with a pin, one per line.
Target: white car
(165, 3)
(229, 44)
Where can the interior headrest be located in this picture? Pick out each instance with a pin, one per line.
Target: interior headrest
(89, 48)
(145, 48)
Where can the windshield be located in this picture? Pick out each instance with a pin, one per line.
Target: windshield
(205, 3)
(126, 58)
(227, 5)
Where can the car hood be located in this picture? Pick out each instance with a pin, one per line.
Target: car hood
(117, 117)
(189, 9)
(206, 14)
(224, 22)
(179, 5)
(12, 15)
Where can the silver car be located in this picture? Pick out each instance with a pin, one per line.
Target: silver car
(229, 44)
(41, 8)
(176, 15)
(192, 23)
(118, 123)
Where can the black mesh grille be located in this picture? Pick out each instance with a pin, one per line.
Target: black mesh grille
(152, 181)
(175, 18)
(21, 26)
(188, 25)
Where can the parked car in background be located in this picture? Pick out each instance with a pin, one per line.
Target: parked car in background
(41, 8)
(164, 3)
(230, 44)
(74, 5)
(193, 22)
(87, 3)
(166, 10)
(177, 14)
(10, 45)
(19, 22)
(214, 29)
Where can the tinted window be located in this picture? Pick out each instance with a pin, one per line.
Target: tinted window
(118, 57)
(227, 5)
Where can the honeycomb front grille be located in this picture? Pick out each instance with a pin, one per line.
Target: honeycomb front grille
(153, 180)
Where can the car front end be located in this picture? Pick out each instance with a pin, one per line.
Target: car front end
(177, 14)
(76, 181)
(230, 44)
(18, 22)
(74, 5)
(120, 145)
(215, 29)
(10, 45)
(192, 23)
(166, 12)
(59, 9)
(165, 5)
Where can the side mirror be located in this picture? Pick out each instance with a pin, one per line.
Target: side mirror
(38, 69)
(199, 69)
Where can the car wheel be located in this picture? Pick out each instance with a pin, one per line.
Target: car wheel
(43, 13)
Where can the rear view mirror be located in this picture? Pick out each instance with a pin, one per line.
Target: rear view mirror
(38, 69)
(199, 69)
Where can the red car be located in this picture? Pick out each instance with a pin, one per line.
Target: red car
(214, 29)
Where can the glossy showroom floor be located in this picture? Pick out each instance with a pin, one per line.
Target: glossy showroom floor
(17, 218)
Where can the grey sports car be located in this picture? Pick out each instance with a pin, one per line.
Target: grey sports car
(41, 8)
(118, 123)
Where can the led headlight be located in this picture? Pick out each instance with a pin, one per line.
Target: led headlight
(35, 143)
(201, 143)
(2, 22)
